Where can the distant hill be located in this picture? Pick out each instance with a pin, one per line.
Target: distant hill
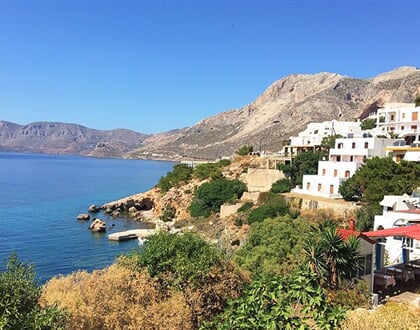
(282, 110)
(61, 138)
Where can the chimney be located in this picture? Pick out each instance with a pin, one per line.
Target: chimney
(352, 224)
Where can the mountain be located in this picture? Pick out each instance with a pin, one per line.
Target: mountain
(284, 109)
(61, 138)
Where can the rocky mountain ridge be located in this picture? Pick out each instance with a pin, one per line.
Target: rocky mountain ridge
(283, 109)
(62, 138)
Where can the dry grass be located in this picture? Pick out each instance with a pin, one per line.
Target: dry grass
(387, 317)
(117, 298)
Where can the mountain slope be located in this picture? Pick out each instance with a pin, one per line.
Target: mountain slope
(284, 109)
(61, 138)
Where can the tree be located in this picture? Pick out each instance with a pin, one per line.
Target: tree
(19, 295)
(281, 186)
(281, 302)
(379, 177)
(274, 206)
(417, 100)
(273, 246)
(368, 123)
(245, 150)
(180, 172)
(330, 256)
(328, 142)
(211, 195)
(304, 163)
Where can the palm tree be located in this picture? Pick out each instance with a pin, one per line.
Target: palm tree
(330, 256)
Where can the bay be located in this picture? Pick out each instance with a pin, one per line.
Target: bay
(41, 196)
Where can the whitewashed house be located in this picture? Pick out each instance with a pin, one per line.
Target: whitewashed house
(311, 137)
(347, 156)
(399, 212)
(401, 120)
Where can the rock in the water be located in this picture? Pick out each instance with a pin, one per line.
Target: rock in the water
(98, 225)
(94, 208)
(83, 217)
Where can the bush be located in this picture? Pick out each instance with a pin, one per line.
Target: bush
(176, 259)
(293, 302)
(210, 196)
(281, 186)
(273, 207)
(168, 213)
(117, 298)
(247, 206)
(19, 294)
(273, 246)
(210, 170)
(245, 150)
(180, 172)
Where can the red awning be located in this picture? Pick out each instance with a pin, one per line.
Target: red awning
(408, 231)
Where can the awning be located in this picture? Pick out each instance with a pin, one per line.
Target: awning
(407, 231)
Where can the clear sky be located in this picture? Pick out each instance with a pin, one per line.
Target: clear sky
(152, 66)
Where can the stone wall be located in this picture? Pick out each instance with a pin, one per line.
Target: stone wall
(229, 209)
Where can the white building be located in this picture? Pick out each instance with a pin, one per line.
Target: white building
(347, 156)
(403, 121)
(399, 211)
(311, 137)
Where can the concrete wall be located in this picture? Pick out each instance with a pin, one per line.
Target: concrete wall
(228, 209)
(262, 179)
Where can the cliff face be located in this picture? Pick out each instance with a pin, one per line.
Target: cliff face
(284, 109)
(60, 138)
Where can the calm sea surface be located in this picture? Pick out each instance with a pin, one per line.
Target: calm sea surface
(41, 196)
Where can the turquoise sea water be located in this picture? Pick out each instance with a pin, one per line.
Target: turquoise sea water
(41, 196)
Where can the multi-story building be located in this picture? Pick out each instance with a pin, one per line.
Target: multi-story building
(347, 156)
(401, 120)
(311, 138)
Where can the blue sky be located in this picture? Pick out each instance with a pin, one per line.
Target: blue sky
(152, 66)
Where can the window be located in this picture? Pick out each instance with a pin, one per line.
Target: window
(347, 174)
(323, 171)
(335, 173)
(366, 145)
(352, 158)
(392, 117)
(353, 145)
(340, 146)
(331, 189)
(414, 127)
(414, 116)
(308, 185)
(402, 127)
(403, 115)
(319, 187)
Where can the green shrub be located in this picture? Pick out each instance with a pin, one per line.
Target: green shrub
(168, 213)
(176, 259)
(19, 295)
(273, 246)
(245, 150)
(273, 207)
(292, 302)
(210, 170)
(180, 173)
(210, 196)
(281, 186)
(247, 206)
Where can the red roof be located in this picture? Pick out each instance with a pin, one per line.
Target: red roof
(408, 231)
(346, 233)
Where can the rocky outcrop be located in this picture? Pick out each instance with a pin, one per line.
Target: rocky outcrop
(94, 209)
(83, 217)
(97, 226)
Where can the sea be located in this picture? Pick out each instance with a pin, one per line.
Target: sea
(42, 195)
